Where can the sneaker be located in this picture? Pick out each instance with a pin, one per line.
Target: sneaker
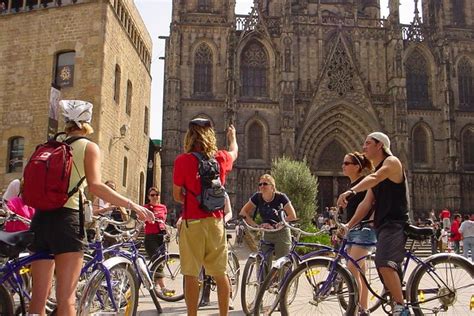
(168, 292)
(203, 303)
(363, 312)
(231, 305)
(400, 310)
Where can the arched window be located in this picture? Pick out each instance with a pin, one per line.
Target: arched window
(142, 189)
(468, 148)
(203, 70)
(255, 141)
(128, 103)
(118, 75)
(253, 71)
(420, 145)
(465, 84)
(204, 5)
(64, 69)
(15, 154)
(417, 82)
(125, 170)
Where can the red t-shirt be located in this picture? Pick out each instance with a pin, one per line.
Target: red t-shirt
(456, 235)
(160, 211)
(185, 174)
(445, 214)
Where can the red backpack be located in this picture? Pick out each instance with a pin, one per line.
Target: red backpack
(47, 173)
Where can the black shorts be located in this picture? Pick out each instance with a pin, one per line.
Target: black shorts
(391, 241)
(57, 231)
(152, 243)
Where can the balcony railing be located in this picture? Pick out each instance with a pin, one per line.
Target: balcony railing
(17, 6)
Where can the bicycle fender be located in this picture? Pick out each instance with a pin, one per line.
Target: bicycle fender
(253, 255)
(95, 279)
(279, 263)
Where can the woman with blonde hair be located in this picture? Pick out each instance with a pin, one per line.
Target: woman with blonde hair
(267, 202)
(59, 231)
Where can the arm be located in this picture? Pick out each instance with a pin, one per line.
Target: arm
(390, 169)
(246, 211)
(178, 194)
(290, 212)
(227, 209)
(362, 209)
(232, 140)
(96, 187)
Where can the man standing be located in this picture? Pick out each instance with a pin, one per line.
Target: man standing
(445, 217)
(467, 232)
(387, 192)
(202, 236)
(455, 234)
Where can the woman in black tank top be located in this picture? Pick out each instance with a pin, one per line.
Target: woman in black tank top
(353, 166)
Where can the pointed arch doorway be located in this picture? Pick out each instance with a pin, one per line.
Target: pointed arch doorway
(332, 181)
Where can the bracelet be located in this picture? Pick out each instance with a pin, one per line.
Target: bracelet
(353, 191)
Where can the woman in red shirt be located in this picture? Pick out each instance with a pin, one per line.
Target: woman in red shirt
(155, 231)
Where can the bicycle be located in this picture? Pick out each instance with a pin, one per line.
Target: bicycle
(207, 283)
(269, 293)
(322, 280)
(255, 270)
(167, 265)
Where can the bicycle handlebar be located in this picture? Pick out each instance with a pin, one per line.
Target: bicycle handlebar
(12, 216)
(261, 229)
(296, 229)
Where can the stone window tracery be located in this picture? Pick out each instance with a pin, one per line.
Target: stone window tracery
(420, 145)
(203, 70)
(128, 104)
(417, 81)
(340, 71)
(255, 141)
(254, 71)
(465, 84)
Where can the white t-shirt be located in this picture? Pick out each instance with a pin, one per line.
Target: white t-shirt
(467, 229)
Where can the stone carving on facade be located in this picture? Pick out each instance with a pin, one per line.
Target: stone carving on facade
(340, 71)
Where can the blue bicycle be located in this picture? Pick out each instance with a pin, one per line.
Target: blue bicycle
(438, 284)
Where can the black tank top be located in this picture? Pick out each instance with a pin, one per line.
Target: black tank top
(391, 203)
(355, 201)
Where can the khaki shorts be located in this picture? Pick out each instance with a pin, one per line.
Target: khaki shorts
(202, 243)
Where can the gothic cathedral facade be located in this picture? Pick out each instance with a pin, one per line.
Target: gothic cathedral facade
(309, 79)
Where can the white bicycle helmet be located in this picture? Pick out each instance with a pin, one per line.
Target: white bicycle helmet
(77, 111)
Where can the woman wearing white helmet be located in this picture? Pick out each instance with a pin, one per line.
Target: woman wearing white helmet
(59, 231)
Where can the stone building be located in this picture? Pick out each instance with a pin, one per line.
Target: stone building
(95, 50)
(311, 78)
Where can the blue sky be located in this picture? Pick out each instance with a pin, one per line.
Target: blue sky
(157, 16)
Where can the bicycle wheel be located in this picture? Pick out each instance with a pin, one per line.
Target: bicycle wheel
(444, 285)
(233, 273)
(6, 302)
(318, 290)
(124, 289)
(169, 268)
(269, 292)
(250, 285)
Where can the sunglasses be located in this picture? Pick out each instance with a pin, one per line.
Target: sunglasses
(200, 122)
(346, 163)
(263, 184)
(153, 194)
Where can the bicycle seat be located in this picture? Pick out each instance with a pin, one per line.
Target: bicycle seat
(11, 244)
(418, 233)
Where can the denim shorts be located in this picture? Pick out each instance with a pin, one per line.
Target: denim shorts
(363, 238)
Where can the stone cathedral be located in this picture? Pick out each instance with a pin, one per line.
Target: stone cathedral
(309, 79)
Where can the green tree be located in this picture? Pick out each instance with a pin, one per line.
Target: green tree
(295, 179)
